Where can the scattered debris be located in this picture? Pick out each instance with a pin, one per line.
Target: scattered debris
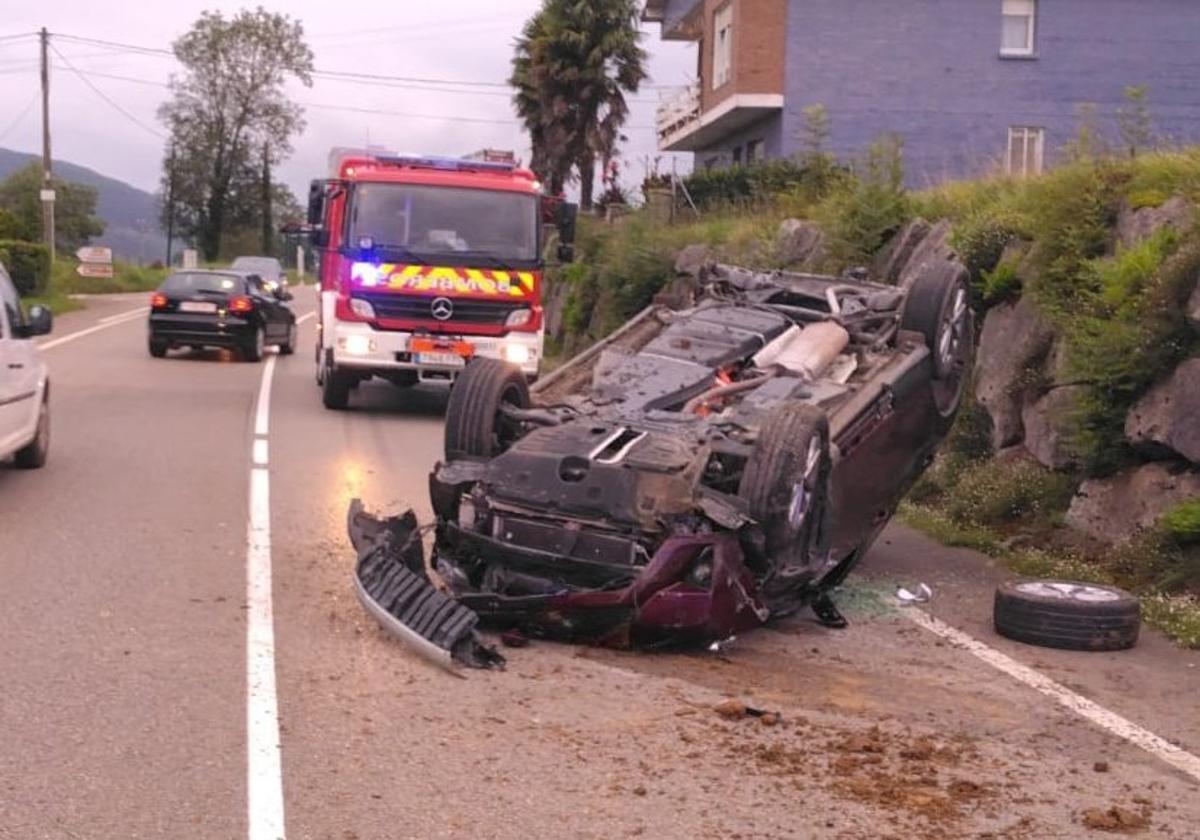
(922, 595)
(1100, 766)
(1115, 818)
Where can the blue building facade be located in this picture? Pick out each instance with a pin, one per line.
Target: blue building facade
(970, 86)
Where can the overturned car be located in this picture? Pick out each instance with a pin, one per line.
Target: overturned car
(708, 470)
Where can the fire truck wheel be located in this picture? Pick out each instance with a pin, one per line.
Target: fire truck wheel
(335, 389)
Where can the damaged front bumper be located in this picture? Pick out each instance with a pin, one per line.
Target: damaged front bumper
(695, 589)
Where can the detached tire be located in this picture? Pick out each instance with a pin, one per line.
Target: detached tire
(938, 307)
(1067, 615)
(786, 486)
(474, 426)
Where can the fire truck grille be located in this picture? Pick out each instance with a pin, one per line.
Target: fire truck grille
(395, 307)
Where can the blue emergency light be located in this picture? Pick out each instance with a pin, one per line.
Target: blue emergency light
(447, 164)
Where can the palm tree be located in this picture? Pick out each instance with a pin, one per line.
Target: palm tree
(575, 62)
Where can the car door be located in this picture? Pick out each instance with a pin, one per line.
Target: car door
(18, 373)
(266, 304)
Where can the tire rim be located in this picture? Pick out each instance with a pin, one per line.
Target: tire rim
(1068, 591)
(801, 503)
(950, 343)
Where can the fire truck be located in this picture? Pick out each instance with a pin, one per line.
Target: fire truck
(427, 263)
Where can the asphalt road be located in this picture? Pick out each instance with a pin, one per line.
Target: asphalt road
(123, 674)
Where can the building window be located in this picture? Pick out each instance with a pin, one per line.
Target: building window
(737, 155)
(1020, 17)
(1025, 151)
(756, 151)
(723, 46)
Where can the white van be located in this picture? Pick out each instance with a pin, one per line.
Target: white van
(24, 387)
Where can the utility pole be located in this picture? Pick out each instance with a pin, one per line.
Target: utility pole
(268, 233)
(47, 194)
(170, 204)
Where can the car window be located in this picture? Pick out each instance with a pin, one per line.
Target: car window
(11, 305)
(193, 282)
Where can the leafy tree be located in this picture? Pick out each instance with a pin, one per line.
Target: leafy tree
(575, 62)
(75, 220)
(228, 110)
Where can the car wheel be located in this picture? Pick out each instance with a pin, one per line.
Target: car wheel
(34, 455)
(158, 348)
(1067, 615)
(786, 487)
(257, 346)
(335, 389)
(939, 308)
(475, 426)
(289, 346)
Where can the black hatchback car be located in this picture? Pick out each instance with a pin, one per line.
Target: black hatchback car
(197, 309)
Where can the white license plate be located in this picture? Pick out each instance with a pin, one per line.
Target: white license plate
(441, 359)
(197, 306)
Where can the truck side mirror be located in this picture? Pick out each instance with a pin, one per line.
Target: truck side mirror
(567, 214)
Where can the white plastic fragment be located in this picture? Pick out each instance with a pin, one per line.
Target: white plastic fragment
(922, 596)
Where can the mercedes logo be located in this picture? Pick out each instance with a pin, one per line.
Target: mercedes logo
(442, 309)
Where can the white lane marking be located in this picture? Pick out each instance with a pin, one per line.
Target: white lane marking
(262, 416)
(128, 317)
(260, 452)
(304, 318)
(120, 316)
(1085, 708)
(264, 764)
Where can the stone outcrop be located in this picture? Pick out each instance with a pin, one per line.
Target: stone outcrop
(1167, 418)
(693, 258)
(799, 244)
(1134, 226)
(1046, 424)
(899, 251)
(1014, 337)
(1115, 509)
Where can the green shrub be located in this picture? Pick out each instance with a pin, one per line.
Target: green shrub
(862, 212)
(981, 237)
(28, 265)
(999, 285)
(756, 183)
(12, 227)
(996, 492)
(1122, 279)
(1182, 523)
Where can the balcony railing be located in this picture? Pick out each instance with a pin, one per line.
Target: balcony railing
(678, 116)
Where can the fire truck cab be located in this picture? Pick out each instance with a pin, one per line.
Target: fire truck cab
(427, 263)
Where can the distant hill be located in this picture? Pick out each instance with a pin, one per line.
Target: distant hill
(130, 215)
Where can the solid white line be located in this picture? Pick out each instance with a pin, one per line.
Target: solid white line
(120, 316)
(1085, 708)
(304, 318)
(262, 417)
(260, 453)
(124, 319)
(264, 765)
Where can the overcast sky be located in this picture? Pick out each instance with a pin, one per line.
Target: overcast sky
(463, 40)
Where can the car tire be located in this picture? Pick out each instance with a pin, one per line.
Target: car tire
(938, 307)
(786, 487)
(335, 389)
(158, 348)
(474, 426)
(254, 349)
(34, 455)
(1067, 615)
(289, 347)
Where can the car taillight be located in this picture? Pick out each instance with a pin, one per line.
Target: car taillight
(158, 301)
(241, 304)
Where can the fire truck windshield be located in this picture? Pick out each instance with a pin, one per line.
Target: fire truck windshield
(443, 221)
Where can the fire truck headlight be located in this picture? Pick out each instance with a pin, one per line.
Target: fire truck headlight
(519, 318)
(356, 345)
(365, 273)
(517, 354)
(362, 309)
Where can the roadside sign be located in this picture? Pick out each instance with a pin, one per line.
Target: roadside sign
(47, 195)
(191, 259)
(94, 254)
(95, 270)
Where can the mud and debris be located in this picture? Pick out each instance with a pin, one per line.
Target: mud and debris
(1117, 819)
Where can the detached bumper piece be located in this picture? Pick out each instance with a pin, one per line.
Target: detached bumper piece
(391, 583)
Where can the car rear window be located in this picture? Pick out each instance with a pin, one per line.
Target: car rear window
(189, 282)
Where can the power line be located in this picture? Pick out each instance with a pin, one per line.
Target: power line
(106, 97)
(24, 113)
(17, 37)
